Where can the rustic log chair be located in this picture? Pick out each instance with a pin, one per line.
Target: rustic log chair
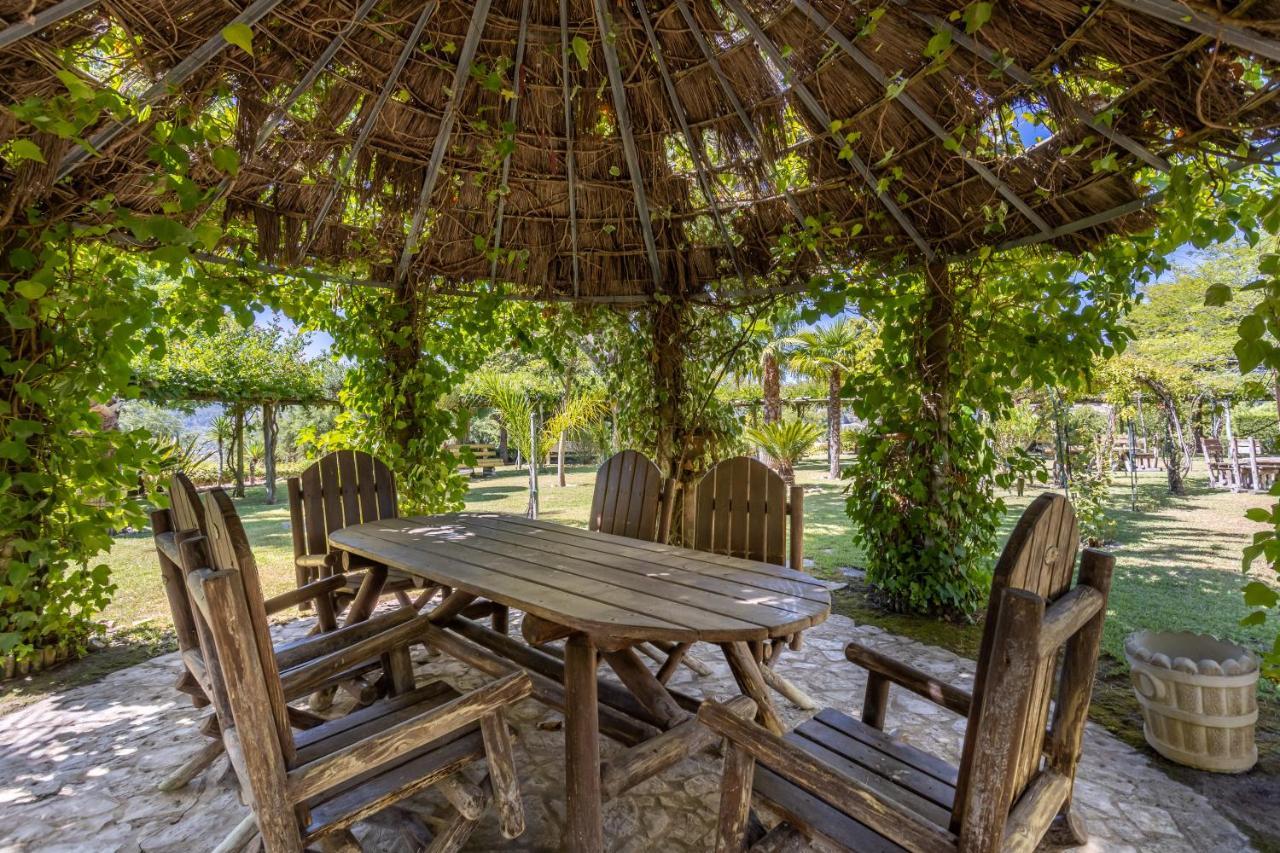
(316, 784)
(631, 498)
(343, 488)
(847, 783)
(184, 519)
(742, 508)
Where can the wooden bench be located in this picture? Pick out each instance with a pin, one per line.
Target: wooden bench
(486, 456)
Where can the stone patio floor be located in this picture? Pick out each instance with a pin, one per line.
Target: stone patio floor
(78, 770)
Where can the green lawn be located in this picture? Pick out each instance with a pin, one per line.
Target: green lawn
(1177, 558)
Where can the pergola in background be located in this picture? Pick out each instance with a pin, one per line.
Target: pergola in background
(608, 150)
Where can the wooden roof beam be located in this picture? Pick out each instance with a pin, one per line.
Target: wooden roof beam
(17, 32)
(623, 115)
(713, 61)
(570, 161)
(517, 89)
(820, 115)
(1186, 15)
(461, 76)
(366, 128)
(174, 77)
(1022, 76)
(696, 151)
(913, 106)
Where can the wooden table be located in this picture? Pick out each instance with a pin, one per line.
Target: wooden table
(604, 594)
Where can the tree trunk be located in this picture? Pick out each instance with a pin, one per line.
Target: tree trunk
(772, 387)
(935, 370)
(221, 451)
(238, 442)
(269, 433)
(560, 461)
(502, 444)
(833, 423)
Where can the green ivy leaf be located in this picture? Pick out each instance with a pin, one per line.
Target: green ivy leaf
(975, 16)
(581, 51)
(1258, 594)
(227, 159)
(24, 149)
(30, 289)
(241, 35)
(1216, 295)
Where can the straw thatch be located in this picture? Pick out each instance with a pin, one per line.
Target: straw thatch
(936, 155)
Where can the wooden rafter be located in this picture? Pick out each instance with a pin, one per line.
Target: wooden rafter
(623, 115)
(713, 62)
(921, 115)
(820, 115)
(517, 88)
(479, 14)
(370, 119)
(696, 152)
(570, 162)
(1202, 21)
(278, 115)
(174, 77)
(17, 32)
(1023, 77)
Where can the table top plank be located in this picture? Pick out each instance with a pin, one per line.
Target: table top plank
(593, 582)
(746, 603)
(765, 576)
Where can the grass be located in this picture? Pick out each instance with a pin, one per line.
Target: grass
(1177, 568)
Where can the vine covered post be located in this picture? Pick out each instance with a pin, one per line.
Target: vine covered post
(269, 433)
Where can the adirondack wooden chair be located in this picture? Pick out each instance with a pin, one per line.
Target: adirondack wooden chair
(344, 488)
(847, 783)
(185, 519)
(315, 784)
(629, 497)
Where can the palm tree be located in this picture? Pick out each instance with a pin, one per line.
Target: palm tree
(786, 443)
(222, 429)
(831, 352)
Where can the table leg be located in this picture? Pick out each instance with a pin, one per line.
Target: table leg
(367, 596)
(746, 672)
(585, 830)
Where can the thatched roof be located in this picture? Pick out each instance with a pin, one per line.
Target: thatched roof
(455, 114)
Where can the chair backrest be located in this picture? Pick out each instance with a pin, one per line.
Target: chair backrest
(741, 508)
(628, 497)
(1018, 675)
(185, 505)
(344, 488)
(229, 551)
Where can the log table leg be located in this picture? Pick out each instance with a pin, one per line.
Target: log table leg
(367, 597)
(585, 830)
(742, 663)
(647, 688)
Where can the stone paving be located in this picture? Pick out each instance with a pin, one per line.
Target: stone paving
(78, 770)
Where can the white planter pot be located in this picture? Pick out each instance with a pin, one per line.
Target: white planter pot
(1199, 698)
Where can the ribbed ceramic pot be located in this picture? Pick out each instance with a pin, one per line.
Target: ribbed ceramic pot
(1198, 696)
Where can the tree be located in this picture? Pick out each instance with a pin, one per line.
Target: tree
(785, 442)
(222, 430)
(242, 367)
(830, 353)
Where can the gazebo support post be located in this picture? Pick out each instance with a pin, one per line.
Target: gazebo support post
(935, 375)
(269, 433)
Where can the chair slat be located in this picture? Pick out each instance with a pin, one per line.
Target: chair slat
(365, 486)
(348, 488)
(313, 511)
(627, 496)
(330, 496)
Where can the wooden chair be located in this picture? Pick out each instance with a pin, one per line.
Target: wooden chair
(628, 497)
(185, 519)
(317, 783)
(742, 508)
(344, 488)
(848, 784)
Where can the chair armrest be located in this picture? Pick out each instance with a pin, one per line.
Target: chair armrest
(332, 770)
(860, 799)
(921, 683)
(294, 654)
(308, 676)
(315, 561)
(310, 592)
